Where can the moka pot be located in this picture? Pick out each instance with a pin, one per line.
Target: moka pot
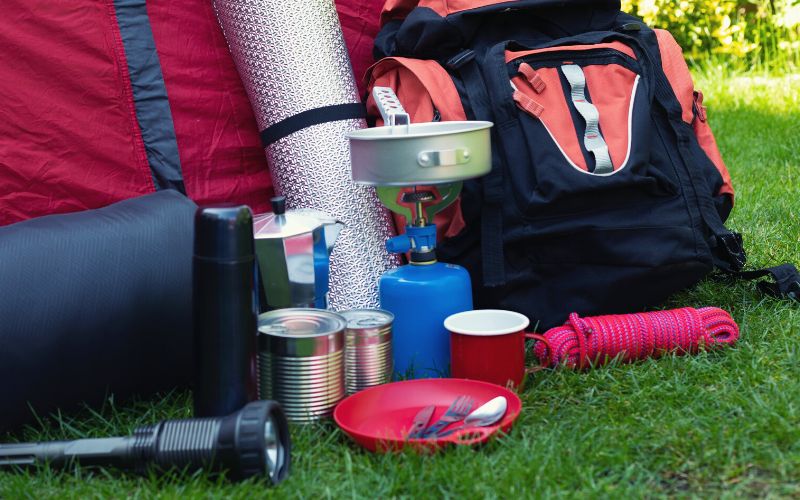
(293, 252)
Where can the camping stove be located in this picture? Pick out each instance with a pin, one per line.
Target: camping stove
(418, 170)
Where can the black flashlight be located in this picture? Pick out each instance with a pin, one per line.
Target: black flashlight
(254, 441)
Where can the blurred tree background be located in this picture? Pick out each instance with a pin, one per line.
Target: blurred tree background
(739, 34)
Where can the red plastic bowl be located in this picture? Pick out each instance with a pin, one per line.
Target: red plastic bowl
(379, 418)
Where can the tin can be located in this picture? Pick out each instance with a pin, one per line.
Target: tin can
(368, 348)
(301, 361)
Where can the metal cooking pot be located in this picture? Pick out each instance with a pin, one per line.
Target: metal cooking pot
(421, 153)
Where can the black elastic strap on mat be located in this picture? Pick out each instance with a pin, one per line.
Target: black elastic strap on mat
(315, 116)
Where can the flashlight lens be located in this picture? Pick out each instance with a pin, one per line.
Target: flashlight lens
(272, 448)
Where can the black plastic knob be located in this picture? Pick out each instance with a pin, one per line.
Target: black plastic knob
(278, 205)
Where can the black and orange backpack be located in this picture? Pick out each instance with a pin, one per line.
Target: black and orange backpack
(607, 191)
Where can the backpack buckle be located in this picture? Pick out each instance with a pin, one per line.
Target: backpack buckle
(733, 250)
(631, 27)
(699, 109)
(794, 291)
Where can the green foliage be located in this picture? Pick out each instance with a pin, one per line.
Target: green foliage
(739, 33)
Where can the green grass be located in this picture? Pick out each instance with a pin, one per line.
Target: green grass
(717, 424)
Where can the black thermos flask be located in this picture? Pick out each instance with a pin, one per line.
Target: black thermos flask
(225, 308)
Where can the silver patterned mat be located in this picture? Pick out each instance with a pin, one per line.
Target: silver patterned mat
(292, 58)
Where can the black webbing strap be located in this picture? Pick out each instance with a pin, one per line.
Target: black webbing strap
(786, 280)
(492, 213)
(310, 117)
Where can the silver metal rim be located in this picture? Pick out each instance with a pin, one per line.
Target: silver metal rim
(419, 130)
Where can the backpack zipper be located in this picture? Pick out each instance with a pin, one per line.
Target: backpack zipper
(560, 56)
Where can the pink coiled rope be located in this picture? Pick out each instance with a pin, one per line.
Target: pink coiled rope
(599, 339)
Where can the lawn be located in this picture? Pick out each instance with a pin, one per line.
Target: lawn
(722, 423)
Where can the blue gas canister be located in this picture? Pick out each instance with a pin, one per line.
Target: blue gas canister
(421, 295)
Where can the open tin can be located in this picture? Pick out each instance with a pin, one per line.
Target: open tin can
(301, 361)
(368, 348)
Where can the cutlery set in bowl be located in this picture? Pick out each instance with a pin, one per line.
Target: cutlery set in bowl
(427, 414)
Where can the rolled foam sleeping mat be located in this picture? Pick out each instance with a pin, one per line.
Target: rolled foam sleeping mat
(295, 67)
(94, 303)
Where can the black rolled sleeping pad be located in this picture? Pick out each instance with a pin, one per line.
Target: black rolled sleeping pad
(94, 303)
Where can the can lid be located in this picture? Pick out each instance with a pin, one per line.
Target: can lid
(367, 318)
(223, 233)
(300, 322)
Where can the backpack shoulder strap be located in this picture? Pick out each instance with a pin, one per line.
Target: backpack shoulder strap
(729, 254)
(691, 100)
(466, 65)
(785, 278)
(783, 281)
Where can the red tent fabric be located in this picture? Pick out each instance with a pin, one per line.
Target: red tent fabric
(360, 23)
(220, 148)
(69, 139)
(111, 99)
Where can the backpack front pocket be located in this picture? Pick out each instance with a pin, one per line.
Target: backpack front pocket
(584, 116)
(585, 103)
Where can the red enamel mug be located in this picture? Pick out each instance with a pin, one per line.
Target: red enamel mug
(488, 345)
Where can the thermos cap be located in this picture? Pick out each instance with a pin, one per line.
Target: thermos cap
(224, 233)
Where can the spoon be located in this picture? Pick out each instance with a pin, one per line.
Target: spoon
(486, 415)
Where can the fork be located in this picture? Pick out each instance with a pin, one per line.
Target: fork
(455, 413)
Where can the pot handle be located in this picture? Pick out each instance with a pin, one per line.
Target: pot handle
(548, 351)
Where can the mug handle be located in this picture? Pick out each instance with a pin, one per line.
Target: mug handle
(547, 350)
